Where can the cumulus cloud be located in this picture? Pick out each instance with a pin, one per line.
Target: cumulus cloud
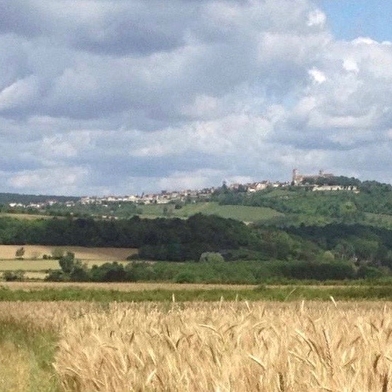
(124, 97)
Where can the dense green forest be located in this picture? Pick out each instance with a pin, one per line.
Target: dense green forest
(156, 239)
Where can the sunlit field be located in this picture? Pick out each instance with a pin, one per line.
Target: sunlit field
(36, 252)
(35, 267)
(219, 346)
(134, 286)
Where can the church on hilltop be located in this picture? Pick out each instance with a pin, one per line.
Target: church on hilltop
(302, 178)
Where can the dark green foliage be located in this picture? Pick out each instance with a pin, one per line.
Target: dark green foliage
(20, 253)
(356, 242)
(185, 277)
(367, 272)
(56, 276)
(71, 269)
(67, 262)
(13, 276)
(178, 240)
(79, 273)
(108, 272)
(233, 272)
(318, 270)
(157, 239)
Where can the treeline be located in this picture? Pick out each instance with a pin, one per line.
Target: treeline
(228, 273)
(207, 272)
(157, 239)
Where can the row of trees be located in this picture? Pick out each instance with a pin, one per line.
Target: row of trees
(159, 239)
(210, 269)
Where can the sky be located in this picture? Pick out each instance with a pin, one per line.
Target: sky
(120, 97)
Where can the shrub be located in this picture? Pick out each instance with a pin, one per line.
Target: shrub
(56, 276)
(367, 272)
(185, 277)
(13, 276)
(79, 273)
(211, 257)
(108, 272)
(19, 253)
(318, 270)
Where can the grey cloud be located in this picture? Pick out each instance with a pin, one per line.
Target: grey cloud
(121, 96)
(114, 28)
(142, 31)
(21, 17)
(151, 87)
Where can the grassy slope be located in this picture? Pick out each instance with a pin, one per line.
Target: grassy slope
(242, 213)
(25, 216)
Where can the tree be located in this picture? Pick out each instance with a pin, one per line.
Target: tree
(211, 257)
(19, 253)
(328, 256)
(57, 253)
(108, 272)
(72, 268)
(67, 262)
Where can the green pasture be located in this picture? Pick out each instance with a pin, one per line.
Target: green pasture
(241, 213)
(41, 265)
(25, 216)
(261, 293)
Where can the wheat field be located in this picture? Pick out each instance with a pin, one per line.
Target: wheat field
(35, 252)
(120, 286)
(224, 346)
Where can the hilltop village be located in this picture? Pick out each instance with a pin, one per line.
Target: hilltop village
(165, 197)
(315, 182)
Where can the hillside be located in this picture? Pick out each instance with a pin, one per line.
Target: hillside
(367, 202)
(238, 212)
(370, 204)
